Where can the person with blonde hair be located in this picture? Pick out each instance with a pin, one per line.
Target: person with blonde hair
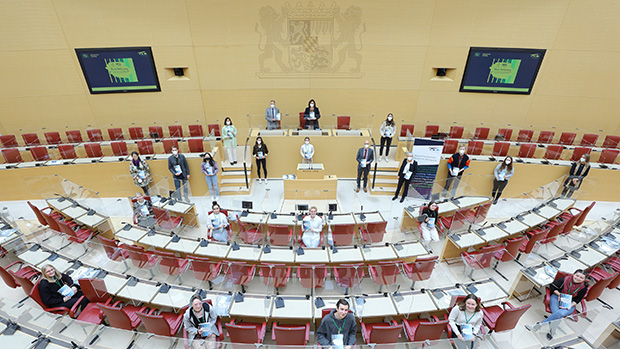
(312, 227)
(51, 286)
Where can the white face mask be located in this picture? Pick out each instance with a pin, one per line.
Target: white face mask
(311, 105)
(307, 142)
(462, 152)
(508, 162)
(175, 152)
(389, 118)
(410, 158)
(366, 145)
(259, 141)
(273, 105)
(227, 122)
(583, 159)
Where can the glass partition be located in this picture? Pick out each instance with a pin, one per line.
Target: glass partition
(329, 120)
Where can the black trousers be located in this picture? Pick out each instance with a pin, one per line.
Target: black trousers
(363, 171)
(263, 163)
(402, 181)
(498, 188)
(385, 141)
(71, 302)
(145, 189)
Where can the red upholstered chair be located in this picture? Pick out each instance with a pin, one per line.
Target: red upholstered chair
(511, 248)
(579, 151)
(302, 121)
(312, 276)
(431, 130)
(112, 248)
(12, 156)
(554, 152)
(570, 221)
(122, 316)
(204, 270)
(279, 235)
(116, 134)
(286, 335)
(145, 147)
(457, 221)
(546, 137)
(136, 133)
(9, 141)
(156, 132)
(196, 131)
(67, 151)
(499, 318)
(195, 145)
(119, 148)
(527, 246)
(25, 283)
(406, 130)
(555, 229)
(240, 273)
(567, 138)
(175, 131)
(168, 144)
(165, 220)
(170, 264)
(599, 274)
(275, 274)
(506, 133)
(31, 139)
(475, 147)
(162, 324)
(93, 150)
(39, 153)
(41, 214)
(420, 330)
(589, 140)
(214, 130)
(95, 135)
(481, 259)
(584, 213)
(611, 141)
(479, 214)
(24, 271)
(53, 138)
(608, 156)
(343, 123)
(595, 291)
(501, 148)
(349, 275)
(373, 232)
(450, 146)
(343, 234)
(584, 308)
(384, 273)
(80, 235)
(456, 131)
(527, 150)
(97, 293)
(525, 136)
(139, 257)
(36, 296)
(246, 332)
(481, 133)
(420, 270)
(381, 333)
(249, 233)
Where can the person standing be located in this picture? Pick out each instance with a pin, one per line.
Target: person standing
(578, 171)
(307, 151)
(338, 328)
(365, 157)
(465, 321)
(272, 115)
(312, 226)
(177, 165)
(140, 172)
(199, 322)
(218, 222)
(502, 174)
(387, 130)
(457, 164)
(407, 171)
(210, 169)
(312, 115)
(260, 152)
(229, 136)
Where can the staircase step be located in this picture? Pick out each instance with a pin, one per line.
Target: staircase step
(233, 190)
(382, 190)
(235, 180)
(386, 181)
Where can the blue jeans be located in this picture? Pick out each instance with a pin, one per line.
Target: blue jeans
(212, 183)
(556, 312)
(177, 185)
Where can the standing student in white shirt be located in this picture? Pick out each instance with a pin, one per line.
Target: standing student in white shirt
(312, 226)
(407, 171)
(218, 223)
(272, 115)
(387, 130)
(307, 151)
(365, 157)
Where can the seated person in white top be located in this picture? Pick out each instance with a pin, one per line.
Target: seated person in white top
(465, 320)
(143, 212)
(307, 151)
(312, 226)
(217, 225)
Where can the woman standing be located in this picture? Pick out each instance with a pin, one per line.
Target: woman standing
(199, 321)
(50, 287)
(578, 171)
(140, 172)
(465, 321)
(312, 115)
(218, 222)
(229, 136)
(388, 127)
(502, 173)
(260, 152)
(210, 169)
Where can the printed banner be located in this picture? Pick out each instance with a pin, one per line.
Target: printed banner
(427, 152)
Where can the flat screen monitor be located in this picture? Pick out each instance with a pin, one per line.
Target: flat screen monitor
(118, 69)
(501, 70)
(246, 205)
(302, 207)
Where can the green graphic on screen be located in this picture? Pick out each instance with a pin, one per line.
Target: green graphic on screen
(121, 70)
(503, 71)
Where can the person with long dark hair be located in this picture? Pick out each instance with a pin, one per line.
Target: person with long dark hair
(140, 172)
(260, 152)
(218, 222)
(312, 115)
(229, 138)
(387, 130)
(210, 169)
(502, 174)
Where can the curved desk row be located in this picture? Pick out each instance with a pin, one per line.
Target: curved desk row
(81, 214)
(409, 219)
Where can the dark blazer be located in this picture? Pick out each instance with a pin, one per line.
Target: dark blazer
(180, 160)
(263, 148)
(412, 168)
(317, 113)
(49, 290)
(360, 156)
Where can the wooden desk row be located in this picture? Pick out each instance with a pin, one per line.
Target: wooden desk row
(446, 208)
(73, 210)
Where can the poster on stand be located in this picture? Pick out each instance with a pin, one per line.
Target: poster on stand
(427, 152)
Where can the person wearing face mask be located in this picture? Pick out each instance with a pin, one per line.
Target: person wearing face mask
(272, 115)
(457, 164)
(312, 226)
(465, 321)
(312, 115)
(140, 172)
(387, 129)
(578, 171)
(307, 151)
(229, 137)
(177, 165)
(502, 173)
(407, 171)
(260, 152)
(143, 211)
(216, 228)
(210, 169)
(365, 157)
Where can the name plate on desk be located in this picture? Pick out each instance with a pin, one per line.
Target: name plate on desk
(350, 133)
(264, 133)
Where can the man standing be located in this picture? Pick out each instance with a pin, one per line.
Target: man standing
(177, 164)
(337, 328)
(407, 171)
(457, 164)
(365, 157)
(272, 115)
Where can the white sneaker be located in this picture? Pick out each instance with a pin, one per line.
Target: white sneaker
(265, 180)
(380, 157)
(213, 198)
(217, 197)
(386, 159)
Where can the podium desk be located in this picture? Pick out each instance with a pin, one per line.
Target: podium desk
(567, 264)
(132, 235)
(157, 240)
(340, 219)
(114, 158)
(345, 254)
(467, 201)
(59, 162)
(246, 253)
(310, 171)
(97, 222)
(312, 256)
(409, 251)
(61, 264)
(81, 161)
(59, 204)
(371, 217)
(253, 306)
(376, 305)
(561, 203)
(183, 209)
(279, 254)
(414, 302)
(454, 244)
(29, 164)
(446, 207)
(301, 189)
(487, 290)
(141, 292)
(74, 212)
(605, 245)
(295, 307)
(184, 246)
(378, 253)
(546, 211)
(175, 298)
(217, 250)
(114, 283)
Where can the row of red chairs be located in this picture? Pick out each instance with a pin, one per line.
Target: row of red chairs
(115, 134)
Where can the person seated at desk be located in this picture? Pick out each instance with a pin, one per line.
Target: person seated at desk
(312, 226)
(578, 171)
(140, 172)
(312, 116)
(428, 221)
(407, 171)
(337, 328)
(199, 321)
(218, 224)
(272, 115)
(307, 151)
(465, 320)
(143, 212)
(50, 289)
